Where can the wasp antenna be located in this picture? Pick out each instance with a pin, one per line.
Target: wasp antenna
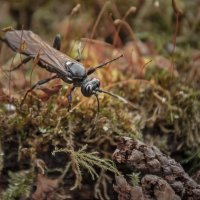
(103, 64)
(93, 69)
(118, 97)
(109, 93)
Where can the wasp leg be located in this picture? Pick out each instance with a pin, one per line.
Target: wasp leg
(98, 104)
(97, 113)
(41, 82)
(57, 42)
(20, 64)
(69, 98)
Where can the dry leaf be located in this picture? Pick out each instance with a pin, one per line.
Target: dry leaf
(44, 186)
(48, 92)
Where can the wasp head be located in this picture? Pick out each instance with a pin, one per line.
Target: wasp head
(90, 87)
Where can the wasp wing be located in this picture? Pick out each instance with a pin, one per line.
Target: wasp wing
(30, 44)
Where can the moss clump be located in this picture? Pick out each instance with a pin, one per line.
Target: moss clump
(19, 185)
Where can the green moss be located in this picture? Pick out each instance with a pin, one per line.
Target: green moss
(19, 185)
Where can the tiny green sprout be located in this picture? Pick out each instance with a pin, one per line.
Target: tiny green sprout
(134, 179)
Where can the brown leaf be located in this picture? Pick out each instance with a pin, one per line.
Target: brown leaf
(44, 186)
(48, 92)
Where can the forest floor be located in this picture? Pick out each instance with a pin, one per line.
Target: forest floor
(143, 143)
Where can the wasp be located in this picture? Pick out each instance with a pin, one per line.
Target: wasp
(53, 60)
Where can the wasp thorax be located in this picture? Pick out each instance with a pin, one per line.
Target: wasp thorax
(90, 87)
(74, 73)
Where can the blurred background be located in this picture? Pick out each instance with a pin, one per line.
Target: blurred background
(141, 30)
(159, 77)
(151, 24)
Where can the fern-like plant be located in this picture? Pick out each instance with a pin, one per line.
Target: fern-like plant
(19, 184)
(88, 160)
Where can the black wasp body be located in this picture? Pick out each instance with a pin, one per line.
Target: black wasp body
(50, 58)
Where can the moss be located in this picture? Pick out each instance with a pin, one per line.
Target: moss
(19, 185)
(162, 107)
